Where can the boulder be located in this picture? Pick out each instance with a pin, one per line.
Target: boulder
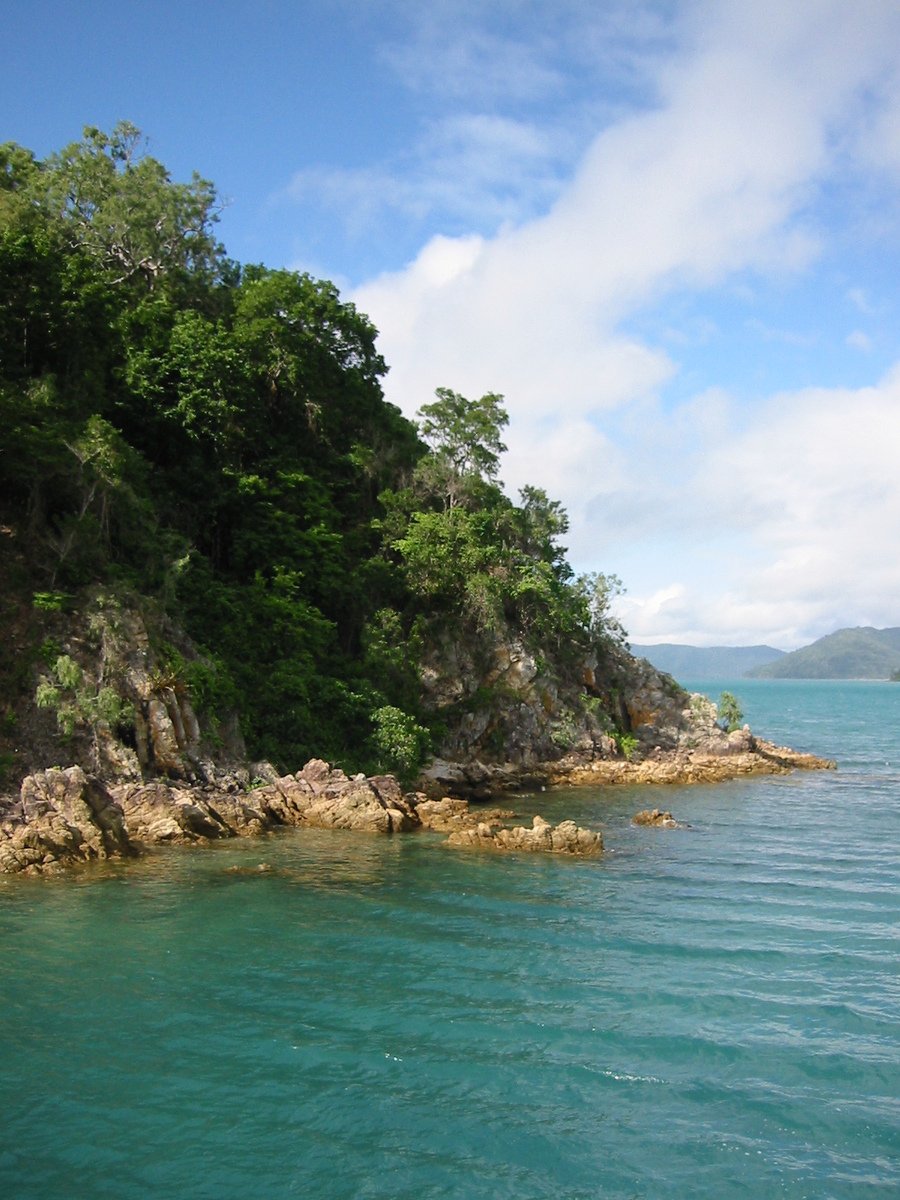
(63, 815)
(326, 798)
(160, 811)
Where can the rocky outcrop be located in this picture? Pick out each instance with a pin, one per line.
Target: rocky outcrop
(501, 702)
(326, 798)
(713, 760)
(64, 817)
(61, 817)
(514, 719)
(701, 765)
(542, 837)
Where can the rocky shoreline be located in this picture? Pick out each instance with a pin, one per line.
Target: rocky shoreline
(737, 755)
(65, 816)
(165, 776)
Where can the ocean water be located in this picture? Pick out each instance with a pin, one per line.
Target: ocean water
(711, 1011)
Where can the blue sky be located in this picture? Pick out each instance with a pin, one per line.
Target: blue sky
(667, 232)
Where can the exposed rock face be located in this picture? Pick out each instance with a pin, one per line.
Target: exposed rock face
(520, 714)
(517, 709)
(134, 657)
(61, 817)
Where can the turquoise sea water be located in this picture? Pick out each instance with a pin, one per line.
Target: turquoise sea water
(704, 1012)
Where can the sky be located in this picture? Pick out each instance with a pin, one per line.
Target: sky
(666, 231)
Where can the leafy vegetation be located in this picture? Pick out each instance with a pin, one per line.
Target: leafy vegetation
(729, 712)
(215, 437)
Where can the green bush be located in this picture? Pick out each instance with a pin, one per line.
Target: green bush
(399, 741)
(77, 704)
(729, 712)
(626, 744)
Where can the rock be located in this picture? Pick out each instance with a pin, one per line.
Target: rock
(158, 811)
(451, 814)
(565, 838)
(62, 816)
(324, 797)
(68, 816)
(656, 817)
(443, 815)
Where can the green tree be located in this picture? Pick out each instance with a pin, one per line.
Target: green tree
(597, 593)
(729, 712)
(465, 441)
(399, 742)
(121, 207)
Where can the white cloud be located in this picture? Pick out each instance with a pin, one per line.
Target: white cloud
(789, 337)
(472, 169)
(756, 517)
(524, 50)
(810, 498)
(858, 298)
(859, 340)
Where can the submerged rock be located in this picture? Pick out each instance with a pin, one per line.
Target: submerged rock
(654, 816)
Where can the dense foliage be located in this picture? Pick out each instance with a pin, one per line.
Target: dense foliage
(215, 437)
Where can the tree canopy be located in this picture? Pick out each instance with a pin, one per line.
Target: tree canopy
(216, 437)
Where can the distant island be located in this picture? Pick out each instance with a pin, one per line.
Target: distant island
(858, 653)
(701, 663)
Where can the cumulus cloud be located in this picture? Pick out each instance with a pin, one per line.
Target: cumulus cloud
(758, 108)
(809, 499)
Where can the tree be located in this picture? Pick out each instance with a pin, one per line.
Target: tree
(729, 712)
(538, 522)
(464, 437)
(120, 206)
(598, 591)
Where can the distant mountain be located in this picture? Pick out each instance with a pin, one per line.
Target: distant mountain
(861, 653)
(706, 662)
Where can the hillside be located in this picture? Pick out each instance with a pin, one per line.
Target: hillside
(219, 542)
(699, 663)
(860, 653)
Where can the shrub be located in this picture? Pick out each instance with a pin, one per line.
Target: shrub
(400, 742)
(729, 711)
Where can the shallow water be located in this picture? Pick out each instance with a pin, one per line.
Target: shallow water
(705, 1012)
